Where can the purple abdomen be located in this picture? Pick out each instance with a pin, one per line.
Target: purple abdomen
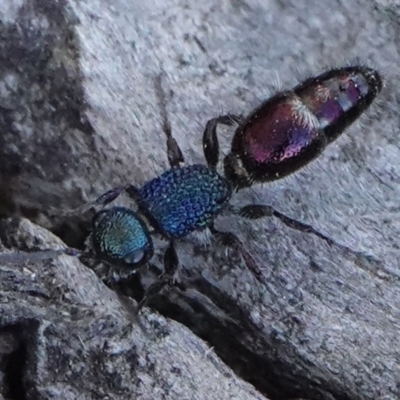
(338, 97)
(292, 128)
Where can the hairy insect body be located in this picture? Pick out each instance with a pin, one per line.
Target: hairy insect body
(292, 128)
(185, 199)
(281, 136)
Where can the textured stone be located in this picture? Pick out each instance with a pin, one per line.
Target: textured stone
(65, 335)
(79, 114)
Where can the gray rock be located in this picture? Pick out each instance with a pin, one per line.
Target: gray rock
(79, 115)
(65, 335)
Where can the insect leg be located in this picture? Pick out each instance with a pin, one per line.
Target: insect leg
(256, 211)
(171, 263)
(229, 239)
(210, 137)
(106, 198)
(175, 155)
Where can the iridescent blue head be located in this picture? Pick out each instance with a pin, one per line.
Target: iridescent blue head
(121, 238)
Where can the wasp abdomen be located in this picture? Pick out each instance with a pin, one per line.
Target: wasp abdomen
(182, 200)
(279, 137)
(292, 128)
(338, 97)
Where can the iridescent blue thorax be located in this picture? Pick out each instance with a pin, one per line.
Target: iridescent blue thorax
(182, 200)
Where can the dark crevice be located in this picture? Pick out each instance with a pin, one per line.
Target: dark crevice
(18, 365)
(73, 230)
(232, 340)
(13, 366)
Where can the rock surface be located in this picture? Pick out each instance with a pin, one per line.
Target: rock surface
(65, 335)
(79, 114)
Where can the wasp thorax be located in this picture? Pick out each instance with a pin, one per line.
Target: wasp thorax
(120, 236)
(185, 199)
(292, 128)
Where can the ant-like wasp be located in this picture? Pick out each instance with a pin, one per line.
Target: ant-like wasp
(282, 135)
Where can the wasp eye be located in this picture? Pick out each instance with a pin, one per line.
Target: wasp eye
(134, 257)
